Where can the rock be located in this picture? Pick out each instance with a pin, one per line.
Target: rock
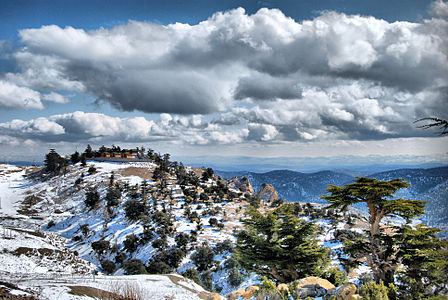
(248, 293)
(313, 287)
(267, 193)
(214, 296)
(356, 297)
(346, 292)
(236, 294)
(283, 287)
(243, 184)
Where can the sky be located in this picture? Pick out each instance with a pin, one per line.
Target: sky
(310, 80)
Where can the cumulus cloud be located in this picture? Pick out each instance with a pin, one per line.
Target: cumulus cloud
(14, 97)
(83, 127)
(335, 76)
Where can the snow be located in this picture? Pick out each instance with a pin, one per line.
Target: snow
(11, 182)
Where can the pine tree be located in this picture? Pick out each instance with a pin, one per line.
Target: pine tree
(425, 260)
(377, 247)
(54, 162)
(280, 246)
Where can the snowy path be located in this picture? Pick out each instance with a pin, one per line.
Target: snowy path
(11, 179)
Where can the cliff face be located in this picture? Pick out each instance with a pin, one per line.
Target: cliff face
(243, 184)
(267, 193)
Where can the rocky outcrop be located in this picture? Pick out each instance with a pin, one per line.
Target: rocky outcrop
(313, 287)
(248, 293)
(346, 292)
(267, 193)
(243, 184)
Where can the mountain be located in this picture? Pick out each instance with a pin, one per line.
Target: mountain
(425, 184)
(294, 186)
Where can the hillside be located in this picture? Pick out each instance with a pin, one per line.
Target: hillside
(116, 218)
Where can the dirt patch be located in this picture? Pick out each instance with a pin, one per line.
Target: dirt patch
(92, 292)
(42, 251)
(35, 233)
(6, 287)
(143, 173)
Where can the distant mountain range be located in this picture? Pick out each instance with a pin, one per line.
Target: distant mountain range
(425, 184)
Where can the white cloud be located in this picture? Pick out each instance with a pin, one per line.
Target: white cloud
(16, 97)
(200, 69)
(55, 97)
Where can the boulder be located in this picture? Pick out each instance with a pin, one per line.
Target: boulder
(248, 293)
(243, 184)
(346, 292)
(267, 193)
(282, 287)
(313, 287)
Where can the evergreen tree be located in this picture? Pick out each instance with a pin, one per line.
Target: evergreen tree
(425, 260)
(75, 157)
(54, 162)
(377, 247)
(88, 152)
(280, 246)
(92, 198)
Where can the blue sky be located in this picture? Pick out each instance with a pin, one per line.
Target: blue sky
(261, 79)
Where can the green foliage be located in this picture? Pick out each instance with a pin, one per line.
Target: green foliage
(192, 274)
(182, 239)
(280, 246)
(425, 258)
(131, 243)
(335, 276)
(159, 243)
(203, 257)
(75, 157)
(235, 277)
(92, 198)
(207, 280)
(113, 196)
(158, 267)
(221, 247)
(54, 162)
(101, 246)
(268, 290)
(91, 170)
(134, 208)
(107, 266)
(134, 267)
(379, 248)
(373, 291)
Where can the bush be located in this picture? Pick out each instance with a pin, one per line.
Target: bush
(91, 170)
(133, 209)
(207, 280)
(224, 246)
(134, 267)
(120, 257)
(107, 266)
(92, 198)
(373, 291)
(231, 263)
(113, 196)
(213, 222)
(100, 246)
(235, 277)
(159, 243)
(335, 276)
(131, 243)
(203, 258)
(182, 240)
(192, 274)
(158, 267)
